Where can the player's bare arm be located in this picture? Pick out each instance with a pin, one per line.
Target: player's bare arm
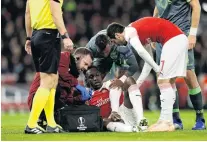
(28, 29)
(155, 13)
(196, 9)
(58, 20)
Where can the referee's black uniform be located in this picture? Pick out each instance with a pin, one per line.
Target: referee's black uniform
(45, 40)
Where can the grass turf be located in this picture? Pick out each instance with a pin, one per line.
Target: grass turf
(13, 128)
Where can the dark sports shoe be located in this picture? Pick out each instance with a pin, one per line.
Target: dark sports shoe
(36, 130)
(200, 124)
(56, 129)
(178, 124)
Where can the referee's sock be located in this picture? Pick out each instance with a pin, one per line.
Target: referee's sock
(49, 108)
(39, 101)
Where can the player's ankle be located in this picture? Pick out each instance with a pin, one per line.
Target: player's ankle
(176, 115)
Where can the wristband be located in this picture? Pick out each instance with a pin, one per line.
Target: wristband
(66, 35)
(28, 38)
(193, 31)
(123, 78)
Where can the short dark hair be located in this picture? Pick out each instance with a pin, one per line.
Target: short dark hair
(101, 41)
(114, 28)
(91, 67)
(83, 51)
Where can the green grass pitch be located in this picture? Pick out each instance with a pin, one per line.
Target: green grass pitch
(13, 128)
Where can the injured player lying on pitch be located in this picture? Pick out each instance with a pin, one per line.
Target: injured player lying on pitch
(122, 111)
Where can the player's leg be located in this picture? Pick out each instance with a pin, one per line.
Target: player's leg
(135, 98)
(195, 92)
(127, 123)
(173, 64)
(167, 98)
(105, 66)
(176, 116)
(118, 126)
(129, 116)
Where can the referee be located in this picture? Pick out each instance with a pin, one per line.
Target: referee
(44, 26)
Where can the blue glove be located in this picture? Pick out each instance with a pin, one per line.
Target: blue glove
(85, 94)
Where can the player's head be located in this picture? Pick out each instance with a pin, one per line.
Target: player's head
(93, 78)
(115, 32)
(83, 57)
(103, 45)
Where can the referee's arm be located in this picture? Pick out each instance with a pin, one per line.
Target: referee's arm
(28, 21)
(28, 28)
(56, 12)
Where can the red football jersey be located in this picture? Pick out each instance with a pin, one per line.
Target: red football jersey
(101, 99)
(157, 29)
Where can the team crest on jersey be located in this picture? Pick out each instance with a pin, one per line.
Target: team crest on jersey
(81, 121)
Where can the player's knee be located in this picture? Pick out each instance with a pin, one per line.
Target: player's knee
(191, 79)
(129, 81)
(163, 81)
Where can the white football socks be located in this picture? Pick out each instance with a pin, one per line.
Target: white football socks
(167, 99)
(114, 97)
(120, 127)
(136, 101)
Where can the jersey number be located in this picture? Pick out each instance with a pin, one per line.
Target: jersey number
(162, 64)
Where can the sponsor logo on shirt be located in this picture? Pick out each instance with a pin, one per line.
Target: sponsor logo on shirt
(101, 102)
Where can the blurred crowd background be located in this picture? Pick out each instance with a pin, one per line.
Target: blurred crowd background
(83, 19)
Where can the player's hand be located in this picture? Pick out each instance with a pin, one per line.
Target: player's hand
(116, 83)
(192, 41)
(68, 44)
(114, 116)
(28, 47)
(159, 73)
(153, 45)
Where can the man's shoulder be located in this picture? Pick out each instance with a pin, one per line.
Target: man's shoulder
(125, 51)
(91, 42)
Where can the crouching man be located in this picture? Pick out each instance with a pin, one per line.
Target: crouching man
(68, 89)
(119, 115)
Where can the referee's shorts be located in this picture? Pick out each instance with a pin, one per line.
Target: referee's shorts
(46, 49)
